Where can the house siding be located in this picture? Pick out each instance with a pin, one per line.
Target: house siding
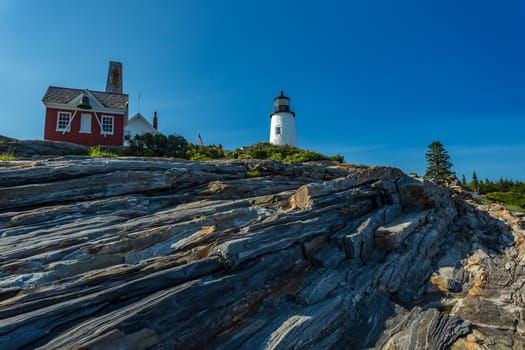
(137, 127)
(94, 138)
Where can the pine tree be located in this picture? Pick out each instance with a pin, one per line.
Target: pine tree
(474, 184)
(438, 164)
(463, 180)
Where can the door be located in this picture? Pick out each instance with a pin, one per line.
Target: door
(85, 123)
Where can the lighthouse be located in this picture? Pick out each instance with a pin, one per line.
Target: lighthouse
(282, 127)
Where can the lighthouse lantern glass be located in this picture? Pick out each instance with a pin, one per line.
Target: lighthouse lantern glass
(281, 102)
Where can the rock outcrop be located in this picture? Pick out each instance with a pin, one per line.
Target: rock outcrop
(37, 148)
(157, 254)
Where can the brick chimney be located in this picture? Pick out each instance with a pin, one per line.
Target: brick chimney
(155, 121)
(114, 82)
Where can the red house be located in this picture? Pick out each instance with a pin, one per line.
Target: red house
(88, 117)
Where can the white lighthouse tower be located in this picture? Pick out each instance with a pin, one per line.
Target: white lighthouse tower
(282, 127)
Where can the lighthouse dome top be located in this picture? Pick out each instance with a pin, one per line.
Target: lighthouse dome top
(281, 96)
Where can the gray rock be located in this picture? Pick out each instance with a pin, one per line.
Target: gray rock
(162, 253)
(391, 236)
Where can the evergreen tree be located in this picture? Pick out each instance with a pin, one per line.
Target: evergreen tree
(438, 164)
(485, 186)
(474, 184)
(463, 180)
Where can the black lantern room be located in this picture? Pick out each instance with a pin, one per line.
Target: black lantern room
(282, 104)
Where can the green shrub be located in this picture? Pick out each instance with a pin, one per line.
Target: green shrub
(276, 156)
(158, 145)
(510, 198)
(99, 151)
(265, 150)
(253, 173)
(199, 152)
(198, 157)
(338, 158)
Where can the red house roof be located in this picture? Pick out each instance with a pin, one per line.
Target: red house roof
(65, 95)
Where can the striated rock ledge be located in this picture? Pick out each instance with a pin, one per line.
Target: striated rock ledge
(159, 254)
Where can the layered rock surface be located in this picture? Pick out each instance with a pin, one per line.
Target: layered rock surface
(158, 253)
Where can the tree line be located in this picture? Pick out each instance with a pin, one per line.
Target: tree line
(487, 186)
(503, 190)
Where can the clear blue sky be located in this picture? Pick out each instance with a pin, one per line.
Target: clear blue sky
(376, 81)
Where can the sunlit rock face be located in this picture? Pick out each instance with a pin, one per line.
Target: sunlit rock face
(159, 254)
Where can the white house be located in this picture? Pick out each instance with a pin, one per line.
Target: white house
(139, 125)
(282, 127)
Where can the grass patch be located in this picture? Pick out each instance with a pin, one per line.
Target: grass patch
(198, 157)
(250, 174)
(8, 155)
(99, 151)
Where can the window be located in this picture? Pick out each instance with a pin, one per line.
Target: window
(85, 123)
(107, 124)
(277, 130)
(63, 121)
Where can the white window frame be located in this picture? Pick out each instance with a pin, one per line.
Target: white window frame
(85, 131)
(103, 118)
(278, 130)
(67, 126)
